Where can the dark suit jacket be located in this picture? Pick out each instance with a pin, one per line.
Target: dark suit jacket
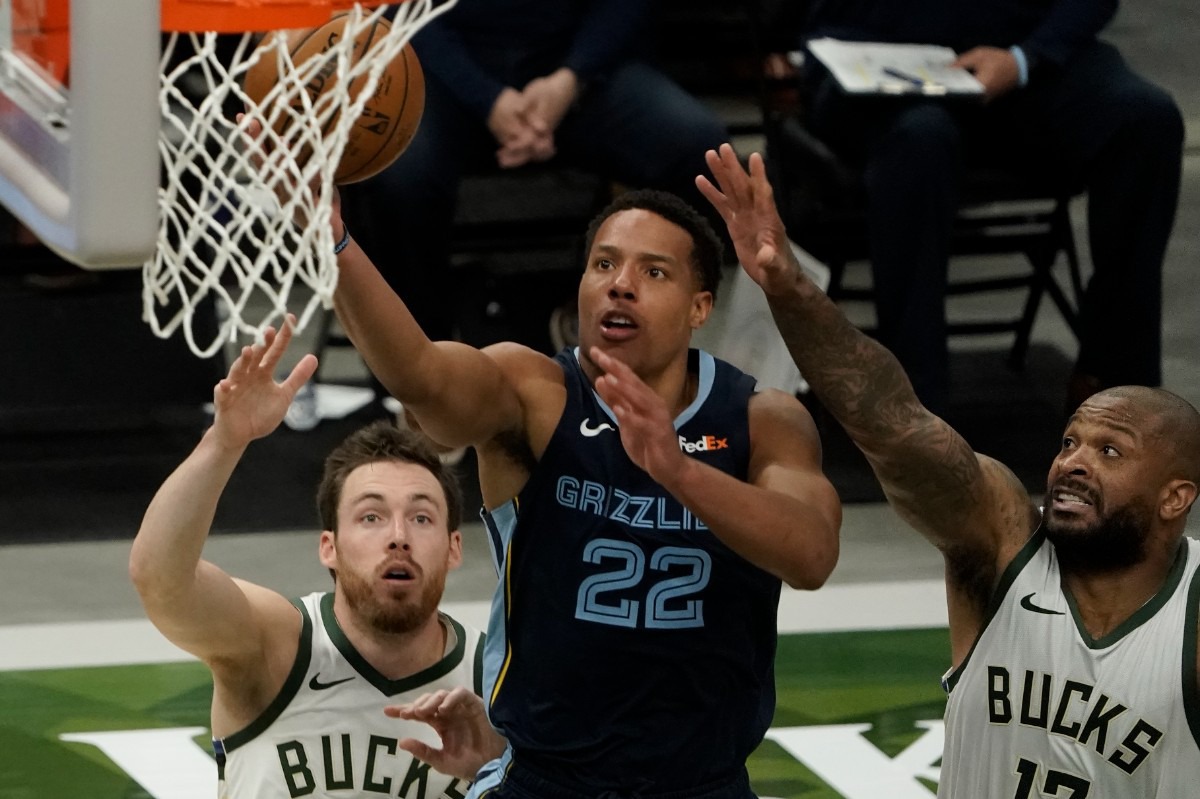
(1049, 31)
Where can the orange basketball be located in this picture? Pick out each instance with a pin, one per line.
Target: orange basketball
(389, 117)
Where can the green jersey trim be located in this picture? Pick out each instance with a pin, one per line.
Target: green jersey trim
(287, 693)
(368, 672)
(1007, 578)
(1191, 680)
(1141, 615)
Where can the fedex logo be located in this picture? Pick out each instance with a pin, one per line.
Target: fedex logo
(705, 444)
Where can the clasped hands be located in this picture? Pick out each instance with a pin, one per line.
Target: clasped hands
(524, 121)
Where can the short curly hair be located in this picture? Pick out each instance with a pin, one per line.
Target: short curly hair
(708, 253)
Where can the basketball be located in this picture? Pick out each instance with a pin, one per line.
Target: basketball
(389, 118)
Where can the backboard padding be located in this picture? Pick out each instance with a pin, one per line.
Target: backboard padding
(79, 166)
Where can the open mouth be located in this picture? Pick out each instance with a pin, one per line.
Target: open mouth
(618, 324)
(1068, 498)
(398, 574)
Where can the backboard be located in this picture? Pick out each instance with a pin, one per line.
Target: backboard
(79, 125)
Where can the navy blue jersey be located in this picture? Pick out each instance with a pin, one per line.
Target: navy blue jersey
(629, 649)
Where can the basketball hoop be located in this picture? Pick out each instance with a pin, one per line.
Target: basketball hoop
(245, 220)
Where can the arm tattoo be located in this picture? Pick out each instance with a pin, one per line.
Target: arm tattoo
(930, 473)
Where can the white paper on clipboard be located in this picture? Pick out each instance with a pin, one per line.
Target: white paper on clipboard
(881, 68)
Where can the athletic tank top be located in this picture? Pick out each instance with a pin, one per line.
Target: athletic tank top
(325, 734)
(628, 648)
(1040, 708)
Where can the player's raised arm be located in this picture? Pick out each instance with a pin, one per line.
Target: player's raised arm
(193, 603)
(459, 394)
(960, 501)
(784, 518)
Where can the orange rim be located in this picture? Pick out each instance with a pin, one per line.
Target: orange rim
(237, 16)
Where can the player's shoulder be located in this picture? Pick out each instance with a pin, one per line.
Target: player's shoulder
(521, 363)
(776, 412)
(782, 430)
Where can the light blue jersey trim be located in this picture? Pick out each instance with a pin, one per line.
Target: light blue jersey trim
(500, 524)
(708, 371)
(491, 775)
(704, 385)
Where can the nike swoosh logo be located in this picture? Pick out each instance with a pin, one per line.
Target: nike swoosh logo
(589, 432)
(316, 685)
(1027, 603)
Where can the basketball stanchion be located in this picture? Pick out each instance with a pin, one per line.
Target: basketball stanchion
(258, 124)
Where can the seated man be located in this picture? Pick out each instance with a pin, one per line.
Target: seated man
(300, 687)
(1060, 104)
(514, 82)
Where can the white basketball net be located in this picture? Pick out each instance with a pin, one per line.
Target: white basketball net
(245, 221)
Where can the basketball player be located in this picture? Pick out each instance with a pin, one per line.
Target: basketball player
(644, 503)
(299, 688)
(1073, 628)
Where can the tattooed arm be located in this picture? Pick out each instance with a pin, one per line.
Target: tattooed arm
(970, 506)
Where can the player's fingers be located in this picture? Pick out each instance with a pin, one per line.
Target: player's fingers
(301, 373)
(460, 698)
(713, 195)
(623, 380)
(737, 182)
(277, 343)
(713, 159)
(242, 364)
(258, 350)
(428, 705)
(421, 751)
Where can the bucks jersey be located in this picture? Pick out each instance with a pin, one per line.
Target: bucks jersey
(628, 648)
(1040, 708)
(325, 735)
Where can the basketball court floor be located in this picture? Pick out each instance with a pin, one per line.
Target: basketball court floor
(93, 701)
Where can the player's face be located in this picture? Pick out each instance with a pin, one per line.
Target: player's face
(1101, 492)
(392, 550)
(639, 296)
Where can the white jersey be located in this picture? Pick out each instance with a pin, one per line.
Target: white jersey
(1039, 708)
(325, 734)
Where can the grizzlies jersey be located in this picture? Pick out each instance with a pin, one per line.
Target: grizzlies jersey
(1040, 708)
(325, 735)
(628, 647)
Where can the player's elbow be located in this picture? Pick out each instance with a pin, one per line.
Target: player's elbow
(140, 572)
(149, 578)
(811, 572)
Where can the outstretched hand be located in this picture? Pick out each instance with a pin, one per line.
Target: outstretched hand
(647, 431)
(458, 717)
(746, 202)
(249, 403)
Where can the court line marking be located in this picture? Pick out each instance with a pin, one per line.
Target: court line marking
(916, 604)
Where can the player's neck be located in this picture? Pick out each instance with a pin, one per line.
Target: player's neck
(1106, 599)
(397, 655)
(676, 384)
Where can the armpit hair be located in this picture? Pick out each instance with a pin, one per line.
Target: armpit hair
(514, 444)
(972, 572)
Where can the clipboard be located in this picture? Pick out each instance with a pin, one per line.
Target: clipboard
(880, 68)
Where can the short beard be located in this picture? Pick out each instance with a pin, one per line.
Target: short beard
(1114, 543)
(393, 618)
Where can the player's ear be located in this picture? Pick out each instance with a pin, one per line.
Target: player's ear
(454, 557)
(1177, 499)
(702, 304)
(327, 549)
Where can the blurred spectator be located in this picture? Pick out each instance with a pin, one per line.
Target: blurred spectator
(1060, 104)
(514, 82)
